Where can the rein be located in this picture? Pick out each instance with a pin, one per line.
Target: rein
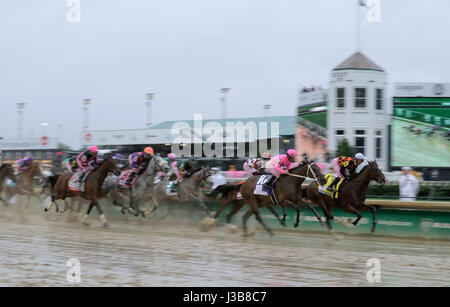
(306, 177)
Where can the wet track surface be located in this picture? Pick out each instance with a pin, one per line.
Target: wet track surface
(35, 249)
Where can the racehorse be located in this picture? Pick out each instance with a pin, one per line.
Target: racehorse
(92, 191)
(25, 183)
(228, 195)
(188, 191)
(140, 191)
(352, 194)
(6, 171)
(287, 191)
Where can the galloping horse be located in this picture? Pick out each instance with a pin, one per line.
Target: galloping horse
(6, 171)
(25, 183)
(92, 191)
(228, 195)
(189, 191)
(287, 190)
(141, 189)
(352, 194)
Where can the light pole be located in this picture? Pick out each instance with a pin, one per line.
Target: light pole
(267, 108)
(223, 100)
(20, 107)
(86, 103)
(150, 97)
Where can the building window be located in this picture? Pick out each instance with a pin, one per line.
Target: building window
(378, 136)
(379, 99)
(360, 97)
(360, 132)
(340, 97)
(360, 144)
(340, 132)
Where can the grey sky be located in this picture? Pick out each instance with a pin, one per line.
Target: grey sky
(186, 50)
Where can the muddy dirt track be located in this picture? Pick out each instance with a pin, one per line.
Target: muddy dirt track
(35, 247)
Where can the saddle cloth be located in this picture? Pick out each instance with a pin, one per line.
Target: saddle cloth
(260, 189)
(124, 177)
(324, 188)
(76, 186)
(169, 188)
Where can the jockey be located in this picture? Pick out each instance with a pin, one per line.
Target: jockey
(23, 164)
(119, 157)
(174, 164)
(71, 165)
(281, 165)
(257, 166)
(139, 162)
(345, 167)
(87, 161)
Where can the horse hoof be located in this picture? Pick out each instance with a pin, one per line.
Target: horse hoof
(46, 209)
(295, 225)
(86, 223)
(106, 225)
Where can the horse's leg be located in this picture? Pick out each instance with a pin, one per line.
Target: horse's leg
(170, 208)
(374, 217)
(4, 201)
(85, 217)
(259, 219)
(102, 215)
(135, 205)
(201, 203)
(351, 209)
(237, 205)
(315, 213)
(297, 210)
(66, 205)
(284, 216)
(244, 220)
(274, 212)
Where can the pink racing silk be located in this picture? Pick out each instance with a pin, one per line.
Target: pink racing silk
(174, 168)
(279, 165)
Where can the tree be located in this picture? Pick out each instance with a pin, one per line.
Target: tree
(344, 149)
(62, 146)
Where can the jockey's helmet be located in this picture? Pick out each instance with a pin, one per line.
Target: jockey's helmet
(171, 156)
(291, 153)
(30, 158)
(148, 150)
(118, 156)
(359, 156)
(93, 149)
(266, 155)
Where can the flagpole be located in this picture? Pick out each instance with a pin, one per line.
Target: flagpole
(358, 26)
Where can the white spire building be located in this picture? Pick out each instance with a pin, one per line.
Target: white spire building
(358, 109)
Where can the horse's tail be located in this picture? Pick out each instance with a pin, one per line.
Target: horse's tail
(51, 181)
(224, 189)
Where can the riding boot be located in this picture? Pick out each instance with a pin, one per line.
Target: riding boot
(269, 182)
(331, 186)
(80, 180)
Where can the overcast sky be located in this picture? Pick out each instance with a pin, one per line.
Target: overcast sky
(186, 50)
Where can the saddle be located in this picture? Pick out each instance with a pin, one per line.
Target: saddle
(171, 188)
(323, 189)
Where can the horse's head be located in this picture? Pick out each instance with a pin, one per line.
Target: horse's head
(316, 172)
(202, 175)
(111, 165)
(161, 165)
(8, 171)
(36, 170)
(375, 172)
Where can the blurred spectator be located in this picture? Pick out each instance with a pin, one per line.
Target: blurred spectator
(408, 185)
(217, 178)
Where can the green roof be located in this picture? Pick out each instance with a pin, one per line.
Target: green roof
(287, 124)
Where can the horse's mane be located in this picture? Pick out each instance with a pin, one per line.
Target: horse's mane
(301, 164)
